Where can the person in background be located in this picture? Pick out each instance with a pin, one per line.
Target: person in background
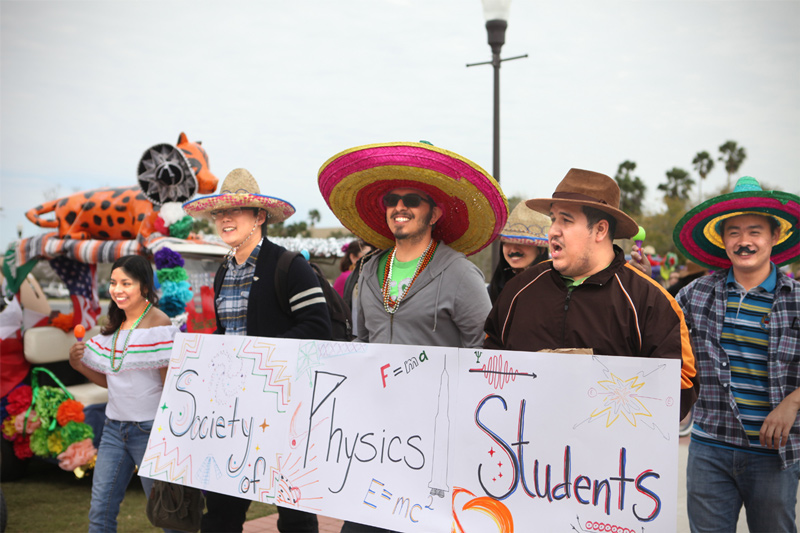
(524, 244)
(352, 253)
(674, 277)
(134, 379)
(744, 322)
(686, 276)
(247, 304)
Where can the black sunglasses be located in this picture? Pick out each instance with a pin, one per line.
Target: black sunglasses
(409, 200)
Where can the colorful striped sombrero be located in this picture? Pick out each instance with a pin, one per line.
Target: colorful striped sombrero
(698, 234)
(353, 183)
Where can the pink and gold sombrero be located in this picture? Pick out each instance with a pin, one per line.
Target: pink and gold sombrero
(353, 183)
(240, 189)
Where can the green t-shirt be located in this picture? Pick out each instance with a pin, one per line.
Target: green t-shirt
(402, 274)
(571, 283)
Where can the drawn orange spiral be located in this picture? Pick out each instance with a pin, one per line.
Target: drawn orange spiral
(494, 509)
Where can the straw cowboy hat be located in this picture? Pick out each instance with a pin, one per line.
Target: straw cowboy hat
(698, 235)
(354, 182)
(592, 189)
(239, 189)
(527, 227)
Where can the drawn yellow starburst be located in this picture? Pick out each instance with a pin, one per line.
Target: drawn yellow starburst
(621, 398)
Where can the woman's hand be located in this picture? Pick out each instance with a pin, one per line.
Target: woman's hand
(76, 362)
(76, 354)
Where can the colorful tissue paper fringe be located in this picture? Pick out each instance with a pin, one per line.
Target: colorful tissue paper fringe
(175, 289)
(172, 221)
(49, 425)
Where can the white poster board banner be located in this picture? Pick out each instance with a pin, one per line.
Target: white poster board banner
(414, 438)
(566, 442)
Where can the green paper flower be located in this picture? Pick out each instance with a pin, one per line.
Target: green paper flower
(181, 228)
(39, 442)
(175, 275)
(75, 432)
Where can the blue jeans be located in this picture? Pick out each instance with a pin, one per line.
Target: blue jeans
(122, 448)
(719, 481)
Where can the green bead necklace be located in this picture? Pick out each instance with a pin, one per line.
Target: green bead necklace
(127, 339)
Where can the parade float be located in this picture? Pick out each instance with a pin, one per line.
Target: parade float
(48, 410)
(90, 228)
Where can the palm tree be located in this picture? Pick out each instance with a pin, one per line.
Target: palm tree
(631, 188)
(314, 217)
(703, 164)
(733, 156)
(678, 184)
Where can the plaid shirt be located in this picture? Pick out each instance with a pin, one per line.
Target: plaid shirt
(232, 300)
(704, 303)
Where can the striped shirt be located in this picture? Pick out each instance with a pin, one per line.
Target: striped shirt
(717, 415)
(745, 340)
(232, 299)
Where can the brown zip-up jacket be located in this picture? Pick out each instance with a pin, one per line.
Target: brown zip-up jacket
(618, 311)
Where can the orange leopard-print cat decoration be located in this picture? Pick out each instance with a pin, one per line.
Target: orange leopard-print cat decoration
(122, 213)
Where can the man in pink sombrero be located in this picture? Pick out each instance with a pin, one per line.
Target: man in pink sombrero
(247, 303)
(587, 296)
(426, 208)
(744, 321)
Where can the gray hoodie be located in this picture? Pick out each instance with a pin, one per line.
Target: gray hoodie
(446, 306)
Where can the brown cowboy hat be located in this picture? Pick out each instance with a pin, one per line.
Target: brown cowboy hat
(592, 189)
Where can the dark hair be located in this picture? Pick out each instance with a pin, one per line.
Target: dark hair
(266, 220)
(139, 269)
(593, 216)
(355, 248)
(774, 225)
(504, 272)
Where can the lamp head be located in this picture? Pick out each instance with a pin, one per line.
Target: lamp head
(496, 14)
(496, 9)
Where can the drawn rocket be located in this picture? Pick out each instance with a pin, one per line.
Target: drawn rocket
(441, 438)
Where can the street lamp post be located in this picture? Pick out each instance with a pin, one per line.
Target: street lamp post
(496, 14)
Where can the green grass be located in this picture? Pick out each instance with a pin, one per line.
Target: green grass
(49, 499)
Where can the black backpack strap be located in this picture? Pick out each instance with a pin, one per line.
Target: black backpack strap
(219, 279)
(281, 280)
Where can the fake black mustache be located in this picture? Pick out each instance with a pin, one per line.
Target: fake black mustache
(516, 254)
(744, 250)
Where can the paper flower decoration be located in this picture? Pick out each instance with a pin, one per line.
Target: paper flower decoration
(77, 454)
(69, 411)
(173, 221)
(46, 421)
(175, 289)
(19, 399)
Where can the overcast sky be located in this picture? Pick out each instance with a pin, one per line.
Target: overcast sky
(279, 87)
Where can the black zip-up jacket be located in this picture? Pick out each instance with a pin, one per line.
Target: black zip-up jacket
(617, 311)
(308, 318)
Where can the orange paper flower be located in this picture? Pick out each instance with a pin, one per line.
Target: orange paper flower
(63, 322)
(68, 411)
